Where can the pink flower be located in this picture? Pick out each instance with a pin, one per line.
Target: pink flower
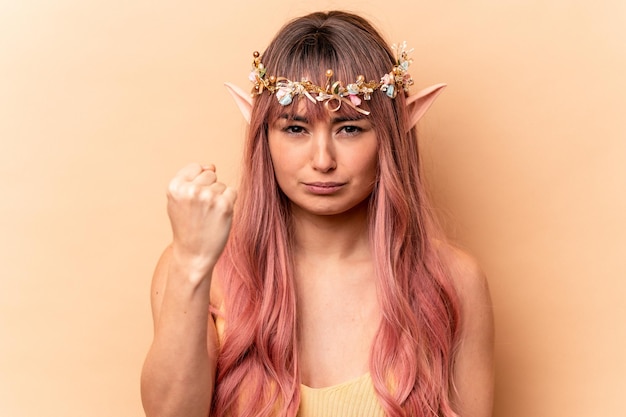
(355, 100)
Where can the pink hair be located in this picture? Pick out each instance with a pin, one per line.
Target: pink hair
(413, 351)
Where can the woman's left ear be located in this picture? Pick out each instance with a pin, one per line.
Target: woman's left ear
(419, 103)
(242, 99)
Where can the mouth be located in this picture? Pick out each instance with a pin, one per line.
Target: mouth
(324, 188)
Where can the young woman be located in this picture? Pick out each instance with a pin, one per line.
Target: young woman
(334, 293)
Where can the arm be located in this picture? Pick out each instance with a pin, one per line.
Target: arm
(474, 365)
(179, 370)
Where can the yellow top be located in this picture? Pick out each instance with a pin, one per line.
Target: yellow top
(355, 398)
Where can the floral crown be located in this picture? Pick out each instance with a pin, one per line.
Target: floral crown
(334, 93)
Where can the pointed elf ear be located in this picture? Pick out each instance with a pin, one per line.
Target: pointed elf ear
(418, 104)
(242, 99)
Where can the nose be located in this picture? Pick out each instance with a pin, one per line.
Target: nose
(323, 157)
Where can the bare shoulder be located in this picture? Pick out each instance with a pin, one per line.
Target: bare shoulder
(467, 276)
(472, 288)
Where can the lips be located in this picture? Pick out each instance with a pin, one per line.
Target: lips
(324, 188)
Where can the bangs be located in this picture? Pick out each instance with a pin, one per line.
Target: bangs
(314, 111)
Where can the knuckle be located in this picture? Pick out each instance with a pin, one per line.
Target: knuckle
(224, 205)
(206, 194)
(193, 191)
(173, 187)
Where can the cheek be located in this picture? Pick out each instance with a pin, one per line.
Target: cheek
(277, 155)
(370, 161)
(282, 161)
(373, 172)
(373, 157)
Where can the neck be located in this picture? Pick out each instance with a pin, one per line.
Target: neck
(338, 236)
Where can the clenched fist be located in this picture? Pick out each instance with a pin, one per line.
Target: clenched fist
(200, 210)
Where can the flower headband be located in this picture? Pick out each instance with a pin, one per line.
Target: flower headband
(332, 95)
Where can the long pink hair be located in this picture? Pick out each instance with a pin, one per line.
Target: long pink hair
(413, 351)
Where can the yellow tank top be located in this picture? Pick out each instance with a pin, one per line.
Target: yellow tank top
(355, 398)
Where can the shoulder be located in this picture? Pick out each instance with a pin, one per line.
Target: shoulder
(467, 276)
(472, 288)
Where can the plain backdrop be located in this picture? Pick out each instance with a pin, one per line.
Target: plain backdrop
(101, 102)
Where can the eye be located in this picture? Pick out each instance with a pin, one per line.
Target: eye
(294, 130)
(351, 130)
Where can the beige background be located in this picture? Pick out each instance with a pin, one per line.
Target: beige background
(102, 101)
